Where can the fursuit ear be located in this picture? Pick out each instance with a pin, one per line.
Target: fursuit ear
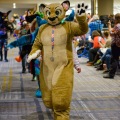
(9, 12)
(1, 13)
(41, 7)
(30, 18)
(66, 5)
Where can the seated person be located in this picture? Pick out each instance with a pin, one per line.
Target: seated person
(97, 41)
(106, 58)
(104, 48)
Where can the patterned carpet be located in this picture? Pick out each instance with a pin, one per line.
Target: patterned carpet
(94, 98)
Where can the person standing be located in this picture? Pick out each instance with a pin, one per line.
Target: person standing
(115, 46)
(3, 35)
(3, 44)
(94, 24)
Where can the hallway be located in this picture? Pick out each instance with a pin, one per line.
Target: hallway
(94, 98)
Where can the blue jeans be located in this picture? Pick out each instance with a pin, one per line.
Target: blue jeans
(107, 58)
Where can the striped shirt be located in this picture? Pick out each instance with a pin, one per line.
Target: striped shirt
(75, 58)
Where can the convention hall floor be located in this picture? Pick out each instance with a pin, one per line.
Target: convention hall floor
(94, 98)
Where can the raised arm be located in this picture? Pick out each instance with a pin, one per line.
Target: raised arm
(80, 27)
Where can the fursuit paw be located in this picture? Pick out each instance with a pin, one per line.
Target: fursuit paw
(80, 9)
(33, 56)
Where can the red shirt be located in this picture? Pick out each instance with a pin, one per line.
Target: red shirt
(96, 41)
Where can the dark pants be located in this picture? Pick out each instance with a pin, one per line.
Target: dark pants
(92, 54)
(114, 59)
(24, 51)
(24, 63)
(3, 44)
(32, 67)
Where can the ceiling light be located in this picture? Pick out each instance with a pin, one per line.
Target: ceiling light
(14, 5)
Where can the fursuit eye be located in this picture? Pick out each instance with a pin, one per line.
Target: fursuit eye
(57, 12)
(48, 13)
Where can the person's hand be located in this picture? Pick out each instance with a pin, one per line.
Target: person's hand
(109, 26)
(78, 70)
(109, 23)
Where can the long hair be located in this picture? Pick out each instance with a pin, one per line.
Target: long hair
(99, 31)
(117, 17)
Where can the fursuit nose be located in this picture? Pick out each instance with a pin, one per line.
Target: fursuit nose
(52, 19)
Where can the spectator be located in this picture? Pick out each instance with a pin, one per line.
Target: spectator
(24, 30)
(97, 41)
(115, 46)
(94, 24)
(103, 55)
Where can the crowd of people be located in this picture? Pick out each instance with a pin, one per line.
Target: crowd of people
(101, 48)
(23, 26)
(101, 45)
(19, 27)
